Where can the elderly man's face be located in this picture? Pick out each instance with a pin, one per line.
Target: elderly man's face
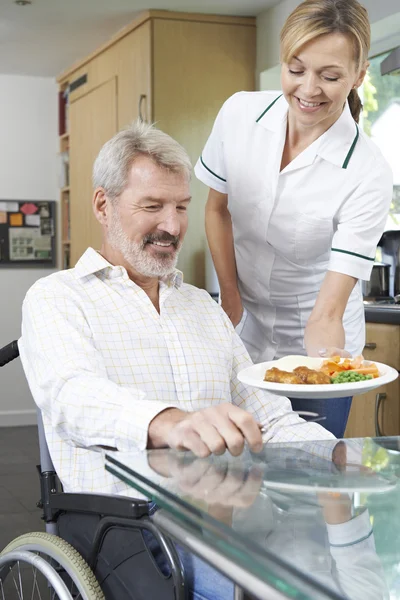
(148, 222)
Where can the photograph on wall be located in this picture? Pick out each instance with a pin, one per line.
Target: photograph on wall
(27, 233)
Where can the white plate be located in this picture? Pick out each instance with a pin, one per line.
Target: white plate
(254, 376)
(368, 484)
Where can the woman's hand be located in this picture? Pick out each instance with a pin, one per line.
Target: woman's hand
(325, 337)
(232, 305)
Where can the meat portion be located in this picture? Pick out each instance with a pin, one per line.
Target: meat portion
(312, 377)
(275, 375)
(302, 372)
(300, 375)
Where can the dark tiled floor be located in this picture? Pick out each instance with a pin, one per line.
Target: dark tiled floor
(19, 483)
(19, 492)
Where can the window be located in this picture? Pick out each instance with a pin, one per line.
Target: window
(381, 121)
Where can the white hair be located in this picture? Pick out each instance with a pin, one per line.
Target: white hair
(112, 165)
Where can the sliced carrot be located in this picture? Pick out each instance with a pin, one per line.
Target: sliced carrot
(358, 361)
(332, 366)
(335, 359)
(368, 371)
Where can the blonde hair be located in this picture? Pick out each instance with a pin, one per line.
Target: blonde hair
(313, 18)
(113, 163)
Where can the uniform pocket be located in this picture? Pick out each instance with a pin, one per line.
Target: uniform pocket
(313, 237)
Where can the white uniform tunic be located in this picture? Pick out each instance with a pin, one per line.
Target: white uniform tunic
(325, 211)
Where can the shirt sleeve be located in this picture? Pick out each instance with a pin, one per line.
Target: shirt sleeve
(275, 412)
(68, 378)
(358, 568)
(361, 222)
(210, 168)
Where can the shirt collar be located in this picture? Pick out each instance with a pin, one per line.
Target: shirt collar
(336, 145)
(92, 262)
(274, 113)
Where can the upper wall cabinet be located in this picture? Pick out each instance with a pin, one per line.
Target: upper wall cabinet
(172, 68)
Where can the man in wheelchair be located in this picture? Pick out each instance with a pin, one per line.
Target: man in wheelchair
(120, 353)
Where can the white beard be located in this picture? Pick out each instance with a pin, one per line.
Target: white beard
(135, 254)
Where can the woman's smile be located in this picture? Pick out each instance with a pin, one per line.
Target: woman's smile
(307, 106)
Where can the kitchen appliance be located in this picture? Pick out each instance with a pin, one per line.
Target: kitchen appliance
(390, 246)
(378, 286)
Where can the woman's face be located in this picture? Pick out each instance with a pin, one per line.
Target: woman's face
(317, 81)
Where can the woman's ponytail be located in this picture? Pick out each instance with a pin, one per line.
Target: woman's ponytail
(355, 104)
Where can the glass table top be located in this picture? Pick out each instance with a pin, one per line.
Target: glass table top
(312, 520)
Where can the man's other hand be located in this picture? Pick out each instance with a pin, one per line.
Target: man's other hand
(208, 431)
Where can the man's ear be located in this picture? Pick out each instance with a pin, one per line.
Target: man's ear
(100, 205)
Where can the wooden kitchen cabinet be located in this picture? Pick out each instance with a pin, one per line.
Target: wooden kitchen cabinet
(93, 119)
(176, 69)
(382, 345)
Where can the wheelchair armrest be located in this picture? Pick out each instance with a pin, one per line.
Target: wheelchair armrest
(103, 504)
(8, 353)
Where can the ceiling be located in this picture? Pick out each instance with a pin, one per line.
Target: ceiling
(44, 38)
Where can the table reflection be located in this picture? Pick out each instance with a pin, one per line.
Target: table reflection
(331, 510)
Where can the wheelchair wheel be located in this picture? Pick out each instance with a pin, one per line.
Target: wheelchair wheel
(21, 577)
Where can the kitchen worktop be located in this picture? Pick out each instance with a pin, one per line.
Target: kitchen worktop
(383, 313)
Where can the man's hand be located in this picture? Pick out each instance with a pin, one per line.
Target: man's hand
(224, 483)
(232, 305)
(208, 431)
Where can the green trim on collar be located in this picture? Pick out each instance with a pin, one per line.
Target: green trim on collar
(268, 107)
(353, 254)
(350, 152)
(212, 172)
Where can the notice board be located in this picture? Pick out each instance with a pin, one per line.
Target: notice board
(27, 233)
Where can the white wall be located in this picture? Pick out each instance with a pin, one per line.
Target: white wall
(385, 26)
(28, 171)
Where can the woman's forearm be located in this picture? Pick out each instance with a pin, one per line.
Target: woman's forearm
(325, 326)
(220, 240)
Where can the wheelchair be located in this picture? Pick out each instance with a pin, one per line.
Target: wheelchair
(44, 565)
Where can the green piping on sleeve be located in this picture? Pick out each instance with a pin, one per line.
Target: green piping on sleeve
(353, 254)
(353, 543)
(212, 172)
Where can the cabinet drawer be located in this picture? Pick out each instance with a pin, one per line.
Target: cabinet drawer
(362, 418)
(383, 344)
(80, 83)
(94, 73)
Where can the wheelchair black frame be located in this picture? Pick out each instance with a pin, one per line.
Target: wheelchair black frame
(113, 510)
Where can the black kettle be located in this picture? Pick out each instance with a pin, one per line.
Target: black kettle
(378, 285)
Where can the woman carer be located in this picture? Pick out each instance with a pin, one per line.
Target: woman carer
(299, 196)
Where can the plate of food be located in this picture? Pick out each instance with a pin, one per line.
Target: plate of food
(307, 377)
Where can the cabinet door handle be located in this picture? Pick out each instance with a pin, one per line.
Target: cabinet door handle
(142, 97)
(378, 400)
(370, 346)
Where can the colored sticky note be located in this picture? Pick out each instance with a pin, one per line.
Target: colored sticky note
(9, 206)
(28, 208)
(16, 220)
(32, 220)
(3, 217)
